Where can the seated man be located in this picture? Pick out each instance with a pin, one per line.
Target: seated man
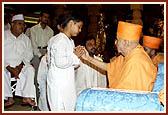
(42, 81)
(151, 45)
(17, 55)
(88, 75)
(133, 70)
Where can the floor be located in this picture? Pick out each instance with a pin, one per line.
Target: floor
(18, 107)
(18, 100)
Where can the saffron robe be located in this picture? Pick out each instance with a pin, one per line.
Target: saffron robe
(135, 71)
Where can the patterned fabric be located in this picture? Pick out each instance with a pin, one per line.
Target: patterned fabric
(117, 100)
(159, 82)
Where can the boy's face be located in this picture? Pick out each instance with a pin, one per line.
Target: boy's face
(76, 28)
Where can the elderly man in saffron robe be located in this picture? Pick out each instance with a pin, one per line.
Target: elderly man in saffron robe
(133, 70)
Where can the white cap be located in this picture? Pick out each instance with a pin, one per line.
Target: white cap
(17, 17)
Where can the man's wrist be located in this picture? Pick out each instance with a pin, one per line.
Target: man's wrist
(90, 58)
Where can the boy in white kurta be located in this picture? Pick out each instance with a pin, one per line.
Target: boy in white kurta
(62, 59)
(42, 77)
(17, 56)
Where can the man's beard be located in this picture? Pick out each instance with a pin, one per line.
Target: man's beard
(45, 23)
(93, 52)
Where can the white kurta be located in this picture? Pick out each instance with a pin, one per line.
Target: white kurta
(42, 81)
(61, 91)
(17, 50)
(89, 76)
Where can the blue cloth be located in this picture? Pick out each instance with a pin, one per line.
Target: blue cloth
(109, 100)
(159, 82)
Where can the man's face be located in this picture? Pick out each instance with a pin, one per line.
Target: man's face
(149, 51)
(120, 45)
(18, 26)
(91, 46)
(45, 18)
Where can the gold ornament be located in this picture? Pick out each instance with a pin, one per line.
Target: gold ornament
(101, 35)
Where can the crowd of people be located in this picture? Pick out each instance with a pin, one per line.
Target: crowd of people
(51, 69)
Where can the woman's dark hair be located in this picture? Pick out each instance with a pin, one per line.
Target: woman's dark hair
(65, 18)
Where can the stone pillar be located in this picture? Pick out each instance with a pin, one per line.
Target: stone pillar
(93, 12)
(137, 8)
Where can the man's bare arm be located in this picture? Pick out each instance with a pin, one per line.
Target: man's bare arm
(94, 61)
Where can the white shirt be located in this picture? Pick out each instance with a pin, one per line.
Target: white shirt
(42, 81)
(17, 49)
(60, 79)
(40, 37)
(89, 76)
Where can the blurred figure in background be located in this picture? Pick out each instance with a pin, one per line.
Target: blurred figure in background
(88, 75)
(151, 45)
(8, 19)
(39, 36)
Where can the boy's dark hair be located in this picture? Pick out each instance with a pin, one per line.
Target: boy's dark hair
(90, 37)
(65, 18)
(60, 19)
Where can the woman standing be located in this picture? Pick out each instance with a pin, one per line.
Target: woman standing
(63, 57)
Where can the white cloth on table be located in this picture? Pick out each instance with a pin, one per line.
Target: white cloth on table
(89, 76)
(16, 51)
(42, 81)
(61, 91)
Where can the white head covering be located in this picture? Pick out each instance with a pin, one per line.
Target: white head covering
(17, 17)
